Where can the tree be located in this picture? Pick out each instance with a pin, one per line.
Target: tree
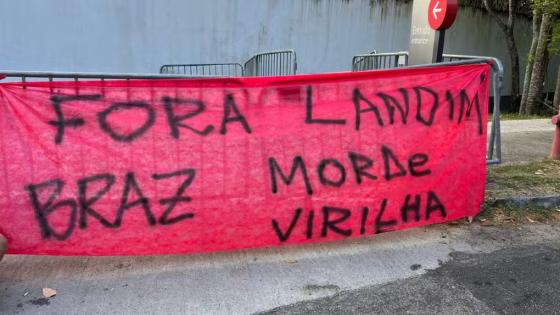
(550, 10)
(530, 60)
(556, 101)
(540, 66)
(554, 48)
(507, 28)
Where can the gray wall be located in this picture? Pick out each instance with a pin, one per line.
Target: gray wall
(141, 35)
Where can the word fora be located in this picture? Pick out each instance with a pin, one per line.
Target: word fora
(175, 120)
(335, 220)
(45, 199)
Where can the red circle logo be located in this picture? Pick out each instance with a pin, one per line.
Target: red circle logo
(442, 13)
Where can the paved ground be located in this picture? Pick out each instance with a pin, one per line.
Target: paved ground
(526, 140)
(515, 280)
(440, 269)
(361, 274)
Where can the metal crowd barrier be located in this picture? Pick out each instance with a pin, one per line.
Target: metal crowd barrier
(33, 76)
(270, 63)
(204, 69)
(263, 66)
(494, 152)
(376, 61)
(273, 63)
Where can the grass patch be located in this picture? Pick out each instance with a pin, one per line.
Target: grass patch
(516, 116)
(510, 213)
(540, 178)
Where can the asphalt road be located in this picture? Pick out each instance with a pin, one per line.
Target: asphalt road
(515, 280)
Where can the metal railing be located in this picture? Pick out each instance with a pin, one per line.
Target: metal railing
(272, 63)
(494, 144)
(363, 61)
(25, 76)
(376, 61)
(495, 141)
(451, 57)
(204, 69)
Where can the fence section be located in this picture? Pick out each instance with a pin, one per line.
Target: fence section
(284, 63)
(204, 69)
(494, 153)
(376, 61)
(273, 63)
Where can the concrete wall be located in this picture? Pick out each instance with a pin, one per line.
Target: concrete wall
(141, 35)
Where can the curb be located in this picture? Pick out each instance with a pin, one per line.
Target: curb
(540, 201)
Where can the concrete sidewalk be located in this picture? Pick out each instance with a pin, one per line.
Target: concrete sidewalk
(526, 140)
(246, 281)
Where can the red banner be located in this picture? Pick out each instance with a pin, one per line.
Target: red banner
(181, 166)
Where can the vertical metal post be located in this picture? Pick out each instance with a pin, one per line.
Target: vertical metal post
(440, 37)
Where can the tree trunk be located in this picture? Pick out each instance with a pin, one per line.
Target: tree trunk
(540, 66)
(514, 60)
(530, 61)
(557, 92)
(507, 28)
(513, 55)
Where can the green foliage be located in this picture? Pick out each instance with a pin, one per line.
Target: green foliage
(531, 58)
(551, 8)
(554, 46)
(523, 6)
